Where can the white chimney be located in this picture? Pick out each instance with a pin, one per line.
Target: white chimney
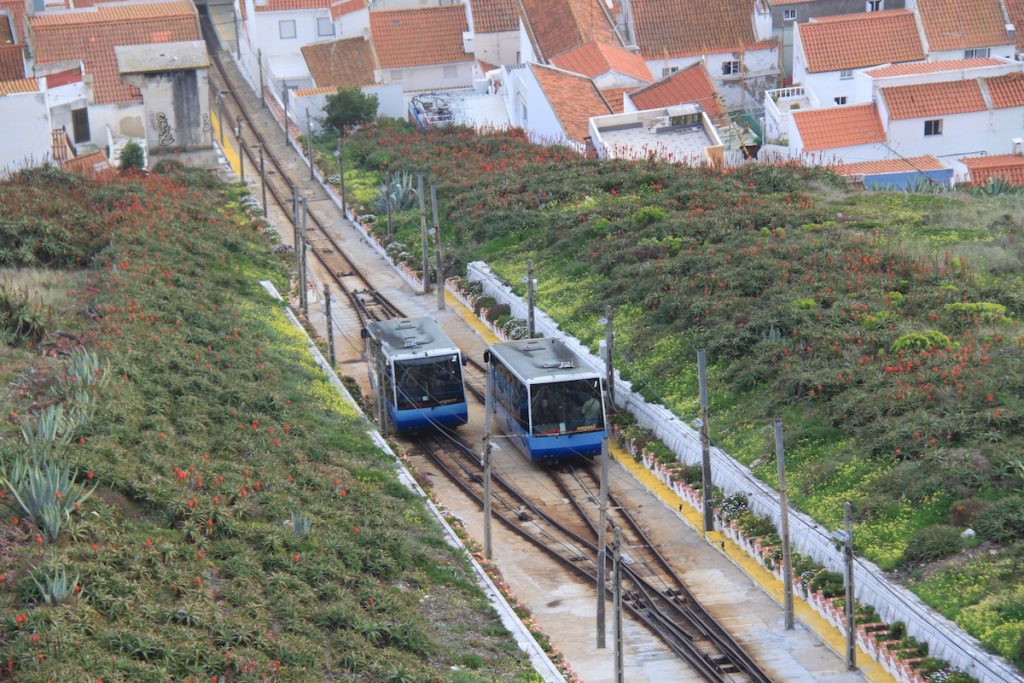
(1018, 146)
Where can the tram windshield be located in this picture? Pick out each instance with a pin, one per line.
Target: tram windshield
(429, 382)
(566, 407)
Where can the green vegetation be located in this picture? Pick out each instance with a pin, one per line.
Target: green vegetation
(349, 107)
(188, 497)
(883, 327)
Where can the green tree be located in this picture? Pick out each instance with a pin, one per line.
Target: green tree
(132, 157)
(348, 107)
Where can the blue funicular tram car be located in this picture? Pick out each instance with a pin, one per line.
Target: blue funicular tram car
(420, 370)
(547, 398)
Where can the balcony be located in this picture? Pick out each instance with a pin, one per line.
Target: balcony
(778, 104)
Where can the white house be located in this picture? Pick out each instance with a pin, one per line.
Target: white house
(495, 28)
(553, 106)
(733, 39)
(680, 133)
(966, 28)
(837, 135)
(828, 51)
(423, 49)
(27, 123)
(609, 66)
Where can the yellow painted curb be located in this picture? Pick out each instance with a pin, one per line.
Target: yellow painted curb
(872, 670)
(229, 144)
(470, 318)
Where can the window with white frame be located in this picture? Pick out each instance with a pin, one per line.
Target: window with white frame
(840, 100)
(846, 74)
(973, 52)
(874, 6)
(668, 70)
(324, 27)
(451, 72)
(789, 15)
(731, 67)
(286, 29)
(933, 127)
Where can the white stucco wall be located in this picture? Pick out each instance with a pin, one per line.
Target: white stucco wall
(429, 77)
(970, 134)
(390, 102)
(526, 53)
(26, 138)
(828, 85)
(123, 119)
(353, 24)
(760, 72)
(497, 48)
(266, 31)
(1006, 51)
(521, 91)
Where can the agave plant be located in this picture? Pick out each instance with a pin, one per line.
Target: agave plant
(398, 190)
(45, 493)
(51, 429)
(57, 586)
(300, 523)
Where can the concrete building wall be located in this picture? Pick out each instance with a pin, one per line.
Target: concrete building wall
(123, 120)
(176, 109)
(1006, 51)
(903, 181)
(971, 134)
(353, 24)
(828, 85)
(529, 109)
(497, 48)
(390, 103)
(26, 138)
(434, 77)
(760, 72)
(267, 28)
(526, 53)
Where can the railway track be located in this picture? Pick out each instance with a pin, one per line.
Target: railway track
(655, 595)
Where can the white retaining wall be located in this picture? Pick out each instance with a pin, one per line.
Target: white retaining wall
(893, 603)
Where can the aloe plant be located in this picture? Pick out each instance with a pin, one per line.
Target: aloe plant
(56, 587)
(300, 523)
(45, 493)
(50, 430)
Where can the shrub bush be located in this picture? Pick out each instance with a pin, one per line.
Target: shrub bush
(933, 543)
(920, 341)
(497, 311)
(967, 512)
(1004, 521)
(484, 302)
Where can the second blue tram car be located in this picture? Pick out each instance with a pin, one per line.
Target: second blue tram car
(419, 371)
(547, 399)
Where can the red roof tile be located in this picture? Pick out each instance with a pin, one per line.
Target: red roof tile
(291, 5)
(20, 86)
(912, 68)
(12, 62)
(561, 25)
(673, 28)
(1006, 91)
(962, 24)
(340, 63)
(839, 127)
(614, 98)
(92, 35)
(494, 16)
(933, 99)
(690, 85)
(573, 98)
(340, 9)
(853, 41)
(419, 37)
(594, 59)
(17, 23)
(905, 165)
(1015, 8)
(1009, 167)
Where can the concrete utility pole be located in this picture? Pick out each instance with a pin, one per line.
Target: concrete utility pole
(285, 98)
(609, 345)
(263, 182)
(309, 143)
(487, 466)
(238, 35)
(423, 232)
(437, 247)
(302, 270)
(851, 626)
(602, 550)
(617, 603)
(220, 118)
(241, 149)
(341, 171)
(787, 569)
(263, 97)
(330, 325)
(531, 330)
(705, 443)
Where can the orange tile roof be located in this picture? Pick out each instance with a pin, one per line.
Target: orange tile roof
(852, 41)
(1015, 8)
(291, 5)
(675, 28)
(594, 59)
(419, 37)
(573, 98)
(1009, 167)
(12, 62)
(494, 16)
(340, 62)
(17, 13)
(839, 127)
(561, 25)
(962, 24)
(1006, 91)
(933, 99)
(912, 68)
(20, 86)
(613, 96)
(339, 9)
(92, 35)
(689, 85)
(904, 165)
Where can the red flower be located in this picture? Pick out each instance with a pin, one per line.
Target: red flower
(295, 558)
(89, 475)
(21, 618)
(149, 543)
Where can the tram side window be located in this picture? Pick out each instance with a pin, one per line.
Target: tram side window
(512, 395)
(567, 407)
